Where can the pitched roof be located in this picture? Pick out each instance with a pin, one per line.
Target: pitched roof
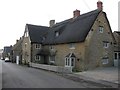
(7, 49)
(36, 32)
(118, 32)
(72, 30)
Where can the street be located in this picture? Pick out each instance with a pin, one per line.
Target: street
(16, 76)
(0, 75)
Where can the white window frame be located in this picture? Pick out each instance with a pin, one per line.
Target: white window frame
(51, 61)
(106, 44)
(38, 46)
(68, 62)
(37, 57)
(101, 29)
(117, 55)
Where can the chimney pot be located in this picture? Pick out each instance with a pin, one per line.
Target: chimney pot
(51, 23)
(76, 13)
(99, 5)
(17, 40)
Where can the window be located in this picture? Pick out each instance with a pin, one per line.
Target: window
(105, 44)
(119, 55)
(43, 39)
(37, 57)
(25, 45)
(52, 59)
(72, 46)
(67, 62)
(115, 55)
(51, 47)
(72, 62)
(56, 34)
(26, 34)
(37, 46)
(105, 61)
(101, 29)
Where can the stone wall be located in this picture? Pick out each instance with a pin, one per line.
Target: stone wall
(94, 44)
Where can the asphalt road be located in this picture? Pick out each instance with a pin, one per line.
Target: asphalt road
(0, 75)
(16, 76)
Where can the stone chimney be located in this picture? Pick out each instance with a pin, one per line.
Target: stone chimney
(76, 13)
(51, 23)
(99, 5)
(17, 40)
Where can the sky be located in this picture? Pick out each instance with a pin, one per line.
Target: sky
(15, 14)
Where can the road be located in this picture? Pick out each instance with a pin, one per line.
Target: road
(0, 75)
(16, 76)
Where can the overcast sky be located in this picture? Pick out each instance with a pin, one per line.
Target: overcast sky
(14, 14)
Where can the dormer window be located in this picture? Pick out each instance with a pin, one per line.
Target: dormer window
(43, 39)
(101, 29)
(56, 34)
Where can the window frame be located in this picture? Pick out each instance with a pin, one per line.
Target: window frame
(69, 62)
(106, 44)
(37, 46)
(101, 29)
(37, 57)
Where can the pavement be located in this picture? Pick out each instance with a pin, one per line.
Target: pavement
(106, 76)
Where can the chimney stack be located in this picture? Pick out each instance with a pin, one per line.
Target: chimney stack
(76, 13)
(99, 5)
(17, 40)
(51, 23)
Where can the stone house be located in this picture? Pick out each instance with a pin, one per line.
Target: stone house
(7, 52)
(32, 43)
(17, 51)
(1, 52)
(117, 48)
(82, 42)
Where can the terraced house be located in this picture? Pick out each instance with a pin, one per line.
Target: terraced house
(117, 48)
(82, 42)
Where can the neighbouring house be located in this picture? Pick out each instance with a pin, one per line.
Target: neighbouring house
(17, 51)
(7, 51)
(1, 52)
(82, 42)
(117, 48)
(32, 43)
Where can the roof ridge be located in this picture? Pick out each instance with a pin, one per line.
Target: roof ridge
(36, 25)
